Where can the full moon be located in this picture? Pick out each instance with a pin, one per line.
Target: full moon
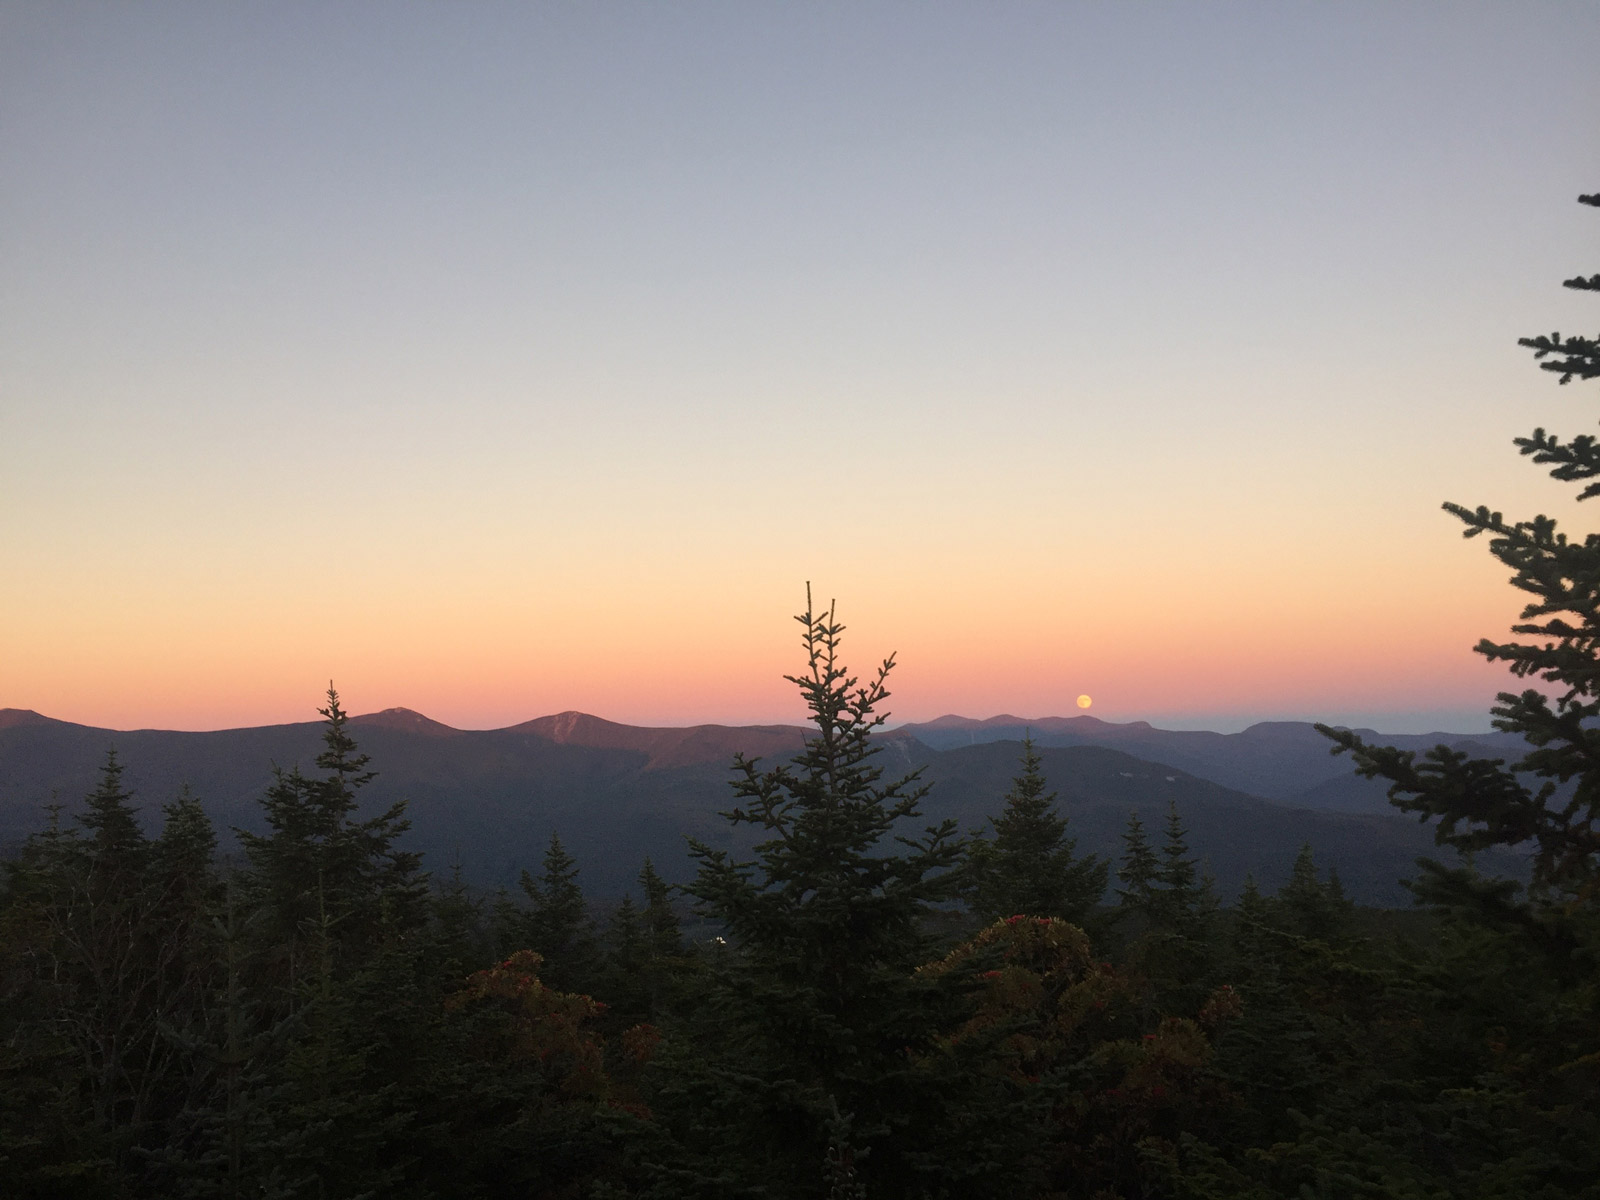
(1084, 701)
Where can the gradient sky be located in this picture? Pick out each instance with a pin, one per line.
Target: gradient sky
(495, 360)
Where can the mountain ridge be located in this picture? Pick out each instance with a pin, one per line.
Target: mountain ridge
(400, 716)
(669, 745)
(491, 798)
(1286, 761)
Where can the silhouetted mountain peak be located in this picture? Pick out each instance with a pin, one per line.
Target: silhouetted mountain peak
(405, 719)
(574, 728)
(667, 747)
(1083, 723)
(948, 721)
(1002, 721)
(11, 718)
(1279, 729)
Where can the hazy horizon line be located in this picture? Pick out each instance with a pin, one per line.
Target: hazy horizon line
(1388, 721)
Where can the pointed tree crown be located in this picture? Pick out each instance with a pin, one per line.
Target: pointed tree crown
(1029, 866)
(836, 891)
(109, 815)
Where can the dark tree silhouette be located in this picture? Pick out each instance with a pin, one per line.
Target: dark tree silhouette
(1030, 865)
(1486, 802)
(826, 926)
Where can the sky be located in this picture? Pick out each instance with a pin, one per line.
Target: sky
(497, 360)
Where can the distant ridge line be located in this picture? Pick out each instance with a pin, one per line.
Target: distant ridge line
(574, 727)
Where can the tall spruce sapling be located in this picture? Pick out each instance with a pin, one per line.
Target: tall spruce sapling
(557, 921)
(1138, 870)
(461, 939)
(393, 875)
(185, 852)
(1172, 905)
(113, 954)
(1481, 803)
(1186, 898)
(625, 982)
(341, 948)
(663, 948)
(835, 895)
(1163, 887)
(660, 920)
(825, 924)
(1030, 865)
(626, 941)
(1307, 906)
(319, 859)
(116, 843)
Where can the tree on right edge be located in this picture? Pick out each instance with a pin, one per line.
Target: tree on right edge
(1481, 803)
(1507, 1057)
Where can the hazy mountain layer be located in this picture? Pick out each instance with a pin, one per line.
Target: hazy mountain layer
(491, 798)
(1280, 760)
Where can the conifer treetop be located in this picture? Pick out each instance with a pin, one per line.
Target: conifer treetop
(109, 814)
(825, 882)
(341, 756)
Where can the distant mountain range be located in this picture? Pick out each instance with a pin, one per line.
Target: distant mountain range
(1287, 761)
(489, 799)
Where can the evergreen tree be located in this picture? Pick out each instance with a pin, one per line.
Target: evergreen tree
(1184, 899)
(186, 899)
(219, 1143)
(1503, 1050)
(319, 860)
(117, 845)
(660, 920)
(1139, 870)
(1307, 906)
(113, 965)
(1485, 802)
(825, 925)
(386, 884)
(49, 1143)
(1030, 865)
(1176, 947)
(114, 955)
(461, 940)
(1178, 876)
(557, 923)
(625, 981)
(333, 1118)
(644, 954)
(626, 936)
(185, 852)
(1250, 927)
(663, 948)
